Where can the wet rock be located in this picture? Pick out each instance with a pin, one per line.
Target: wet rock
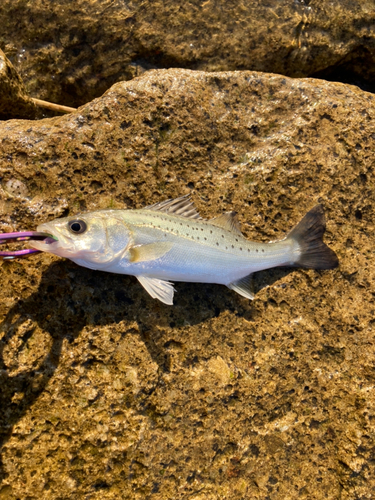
(14, 102)
(71, 52)
(106, 391)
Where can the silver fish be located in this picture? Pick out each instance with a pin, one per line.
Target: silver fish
(170, 241)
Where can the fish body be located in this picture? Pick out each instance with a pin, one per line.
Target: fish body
(170, 241)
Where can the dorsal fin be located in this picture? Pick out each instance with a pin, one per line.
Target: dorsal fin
(182, 206)
(228, 221)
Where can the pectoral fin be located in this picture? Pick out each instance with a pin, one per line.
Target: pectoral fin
(152, 251)
(244, 287)
(158, 289)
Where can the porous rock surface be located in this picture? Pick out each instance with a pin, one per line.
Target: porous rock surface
(72, 51)
(14, 101)
(107, 393)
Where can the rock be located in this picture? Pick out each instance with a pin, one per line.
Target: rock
(106, 391)
(71, 52)
(14, 101)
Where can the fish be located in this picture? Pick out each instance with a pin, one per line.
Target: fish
(169, 241)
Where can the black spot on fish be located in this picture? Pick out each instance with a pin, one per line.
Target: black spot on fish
(263, 250)
(241, 249)
(232, 246)
(205, 238)
(257, 250)
(217, 243)
(211, 232)
(222, 236)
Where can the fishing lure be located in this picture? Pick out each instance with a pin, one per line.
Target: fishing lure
(25, 236)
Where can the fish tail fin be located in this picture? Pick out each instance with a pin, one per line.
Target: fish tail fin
(308, 234)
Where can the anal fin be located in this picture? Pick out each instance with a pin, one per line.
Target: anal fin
(158, 289)
(244, 287)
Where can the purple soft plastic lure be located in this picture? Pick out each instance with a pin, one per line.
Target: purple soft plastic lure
(22, 236)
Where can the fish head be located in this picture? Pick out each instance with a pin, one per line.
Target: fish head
(91, 240)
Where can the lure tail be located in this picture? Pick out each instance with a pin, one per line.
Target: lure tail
(308, 233)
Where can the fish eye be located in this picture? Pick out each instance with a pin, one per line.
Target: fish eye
(77, 226)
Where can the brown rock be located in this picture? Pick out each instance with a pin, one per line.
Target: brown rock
(14, 102)
(107, 392)
(70, 52)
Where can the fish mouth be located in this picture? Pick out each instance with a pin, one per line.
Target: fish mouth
(50, 243)
(47, 245)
